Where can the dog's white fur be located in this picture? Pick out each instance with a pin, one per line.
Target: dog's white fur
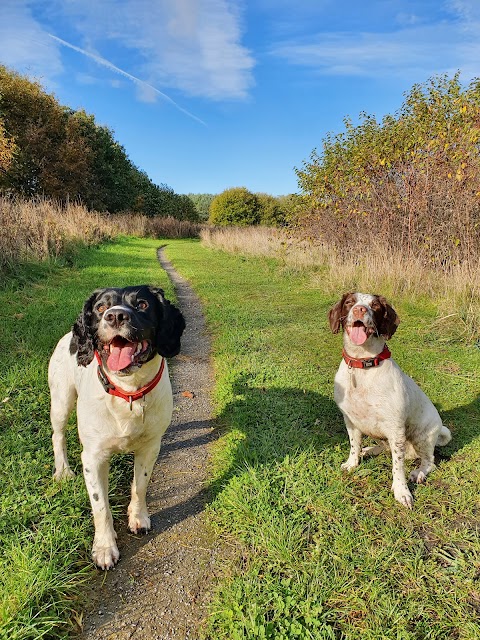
(106, 426)
(384, 403)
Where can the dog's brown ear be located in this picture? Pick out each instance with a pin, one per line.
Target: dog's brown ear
(336, 312)
(390, 320)
(171, 326)
(83, 341)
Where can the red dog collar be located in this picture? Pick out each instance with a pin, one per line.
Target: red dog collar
(367, 363)
(129, 396)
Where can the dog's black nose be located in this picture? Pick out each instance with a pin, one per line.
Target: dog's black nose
(116, 317)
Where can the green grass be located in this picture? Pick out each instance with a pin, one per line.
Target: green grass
(45, 528)
(322, 554)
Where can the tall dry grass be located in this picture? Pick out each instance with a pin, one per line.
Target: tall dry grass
(455, 289)
(40, 229)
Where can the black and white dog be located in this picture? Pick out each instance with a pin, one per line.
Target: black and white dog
(113, 364)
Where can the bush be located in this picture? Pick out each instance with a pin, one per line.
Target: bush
(235, 206)
(271, 212)
(411, 181)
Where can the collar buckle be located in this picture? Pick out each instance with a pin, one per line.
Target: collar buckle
(367, 363)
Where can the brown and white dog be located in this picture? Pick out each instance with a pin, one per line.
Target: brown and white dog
(376, 398)
(113, 364)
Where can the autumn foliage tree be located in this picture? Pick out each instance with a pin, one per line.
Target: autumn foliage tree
(411, 180)
(51, 150)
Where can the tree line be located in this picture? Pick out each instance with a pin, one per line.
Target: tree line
(48, 149)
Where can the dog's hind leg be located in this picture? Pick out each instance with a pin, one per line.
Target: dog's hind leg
(138, 518)
(62, 400)
(424, 450)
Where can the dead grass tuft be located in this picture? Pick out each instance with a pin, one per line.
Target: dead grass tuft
(40, 229)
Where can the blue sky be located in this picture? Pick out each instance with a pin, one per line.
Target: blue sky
(210, 94)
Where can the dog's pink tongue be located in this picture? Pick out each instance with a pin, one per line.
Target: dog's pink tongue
(358, 335)
(121, 356)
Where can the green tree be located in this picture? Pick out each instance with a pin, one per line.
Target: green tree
(271, 212)
(202, 202)
(52, 150)
(7, 151)
(235, 206)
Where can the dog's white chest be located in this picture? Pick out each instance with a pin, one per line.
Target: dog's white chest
(367, 411)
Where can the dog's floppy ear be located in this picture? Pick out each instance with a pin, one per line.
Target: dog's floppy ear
(171, 326)
(335, 314)
(83, 343)
(390, 320)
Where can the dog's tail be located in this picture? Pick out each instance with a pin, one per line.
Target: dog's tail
(444, 437)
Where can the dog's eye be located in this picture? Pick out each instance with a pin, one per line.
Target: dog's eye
(102, 308)
(142, 305)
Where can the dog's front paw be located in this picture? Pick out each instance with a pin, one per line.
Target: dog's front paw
(105, 557)
(139, 523)
(403, 496)
(349, 465)
(417, 476)
(63, 473)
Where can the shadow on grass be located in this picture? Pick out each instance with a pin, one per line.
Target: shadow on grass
(464, 423)
(279, 421)
(275, 422)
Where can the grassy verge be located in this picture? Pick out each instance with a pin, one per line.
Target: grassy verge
(324, 555)
(453, 287)
(45, 528)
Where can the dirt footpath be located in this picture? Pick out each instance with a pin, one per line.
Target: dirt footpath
(161, 585)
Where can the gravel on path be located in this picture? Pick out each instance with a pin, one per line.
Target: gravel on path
(161, 586)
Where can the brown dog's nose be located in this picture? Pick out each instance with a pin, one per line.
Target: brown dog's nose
(116, 317)
(359, 311)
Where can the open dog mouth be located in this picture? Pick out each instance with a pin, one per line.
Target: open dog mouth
(358, 332)
(122, 354)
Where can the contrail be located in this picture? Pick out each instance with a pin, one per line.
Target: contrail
(105, 63)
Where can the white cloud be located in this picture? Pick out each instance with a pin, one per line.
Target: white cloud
(412, 50)
(193, 46)
(190, 45)
(24, 44)
(145, 90)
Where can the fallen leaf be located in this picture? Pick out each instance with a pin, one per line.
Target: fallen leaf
(188, 394)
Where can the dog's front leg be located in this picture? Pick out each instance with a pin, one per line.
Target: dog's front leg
(355, 436)
(105, 552)
(399, 486)
(145, 457)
